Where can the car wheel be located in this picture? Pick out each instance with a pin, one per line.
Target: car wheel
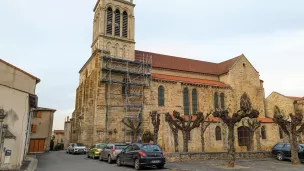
(109, 159)
(280, 156)
(137, 164)
(160, 167)
(118, 162)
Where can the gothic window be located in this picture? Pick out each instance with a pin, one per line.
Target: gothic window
(125, 25)
(117, 22)
(263, 132)
(109, 21)
(222, 100)
(161, 96)
(125, 87)
(218, 133)
(216, 105)
(186, 101)
(194, 101)
(281, 133)
(243, 136)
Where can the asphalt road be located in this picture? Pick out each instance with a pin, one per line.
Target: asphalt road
(61, 161)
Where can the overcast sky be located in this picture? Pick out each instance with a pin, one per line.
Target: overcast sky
(51, 39)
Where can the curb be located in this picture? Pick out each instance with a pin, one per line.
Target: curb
(33, 165)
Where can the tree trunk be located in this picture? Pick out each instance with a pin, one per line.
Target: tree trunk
(251, 141)
(155, 135)
(175, 135)
(203, 140)
(231, 151)
(186, 135)
(134, 137)
(294, 146)
(258, 139)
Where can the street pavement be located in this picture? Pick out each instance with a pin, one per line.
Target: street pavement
(60, 161)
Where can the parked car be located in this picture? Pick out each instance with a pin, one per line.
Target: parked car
(77, 148)
(282, 151)
(110, 152)
(95, 150)
(141, 155)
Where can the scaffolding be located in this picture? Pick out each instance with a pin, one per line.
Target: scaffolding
(125, 82)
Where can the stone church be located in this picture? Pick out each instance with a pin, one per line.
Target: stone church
(120, 82)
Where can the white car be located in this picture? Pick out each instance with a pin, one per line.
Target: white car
(77, 148)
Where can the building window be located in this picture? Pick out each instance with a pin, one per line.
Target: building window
(218, 133)
(243, 136)
(216, 105)
(263, 132)
(194, 101)
(125, 87)
(117, 22)
(186, 101)
(34, 128)
(222, 100)
(161, 96)
(125, 25)
(109, 21)
(281, 133)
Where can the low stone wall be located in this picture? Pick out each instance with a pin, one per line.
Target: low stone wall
(183, 157)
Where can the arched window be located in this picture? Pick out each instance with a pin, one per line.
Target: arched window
(109, 21)
(125, 24)
(281, 133)
(218, 133)
(194, 101)
(243, 136)
(186, 101)
(161, 96)
(216, 105)
(222, 100)
(117, 22)
(263, 132)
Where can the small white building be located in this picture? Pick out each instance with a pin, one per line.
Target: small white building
(18, 99)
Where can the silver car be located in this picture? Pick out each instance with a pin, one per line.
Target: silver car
(77, 148)
(110, 152)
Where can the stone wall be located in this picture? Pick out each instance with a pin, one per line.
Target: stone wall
(275, 99)
(184, 157)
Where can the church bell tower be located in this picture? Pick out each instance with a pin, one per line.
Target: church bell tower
(113, 28)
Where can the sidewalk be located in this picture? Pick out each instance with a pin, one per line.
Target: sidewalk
(30, 163)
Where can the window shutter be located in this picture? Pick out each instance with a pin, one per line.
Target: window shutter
(34, 128)
(161, 96)
(125, 25)
(222, 100)
(39, 114)
(194, 101)
(216, 105)
(109, 20)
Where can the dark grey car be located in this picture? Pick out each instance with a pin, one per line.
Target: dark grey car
(110, 152)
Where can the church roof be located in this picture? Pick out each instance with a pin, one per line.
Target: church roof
(190, 80)
(190, 65)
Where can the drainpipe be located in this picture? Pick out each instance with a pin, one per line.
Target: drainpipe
(2, 116)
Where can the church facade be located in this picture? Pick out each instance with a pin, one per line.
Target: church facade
(120, 82)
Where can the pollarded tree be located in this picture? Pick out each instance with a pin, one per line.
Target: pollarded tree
(186, 124)
(174, 130)
(245, 111)
(155, 118)
(204, 127)
(134, 125)
(253, 125)
(292, 126)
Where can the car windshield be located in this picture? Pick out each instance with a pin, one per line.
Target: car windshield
(120, 147)
(100, 146)
(79, 144)
(150, 148)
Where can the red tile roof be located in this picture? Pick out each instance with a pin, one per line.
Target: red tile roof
(58, 131)
(30, 75)
(295, 98)
(190, 80)
(190, 65)
(265, 120)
